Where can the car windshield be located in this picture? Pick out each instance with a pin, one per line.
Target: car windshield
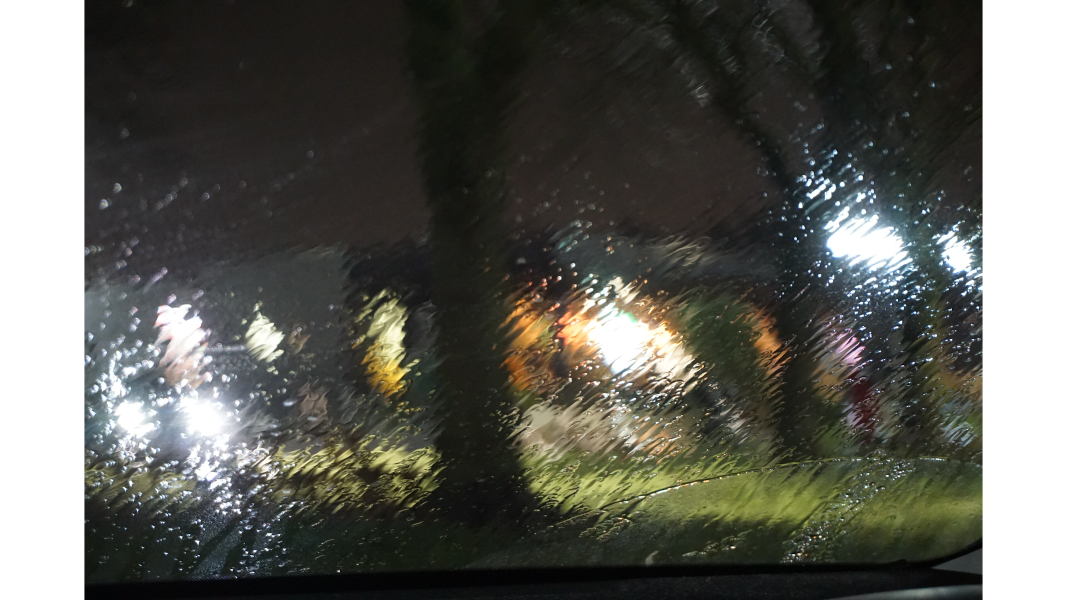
(387, 286)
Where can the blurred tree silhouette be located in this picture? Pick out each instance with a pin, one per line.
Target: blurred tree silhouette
(871, 70)
(465, 59)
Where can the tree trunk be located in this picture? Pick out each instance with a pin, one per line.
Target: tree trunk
(464, 85)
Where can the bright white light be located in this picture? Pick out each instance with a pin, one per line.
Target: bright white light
(131, 418)
(622, 340)
(861, 241)
(627, 344)
(201, 417)
(956, 253)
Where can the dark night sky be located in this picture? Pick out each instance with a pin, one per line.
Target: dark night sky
(221, 93)
(295, 120)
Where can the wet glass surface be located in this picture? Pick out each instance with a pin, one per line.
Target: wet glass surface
(386, 286)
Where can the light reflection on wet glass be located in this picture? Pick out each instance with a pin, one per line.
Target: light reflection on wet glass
(581, 369)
